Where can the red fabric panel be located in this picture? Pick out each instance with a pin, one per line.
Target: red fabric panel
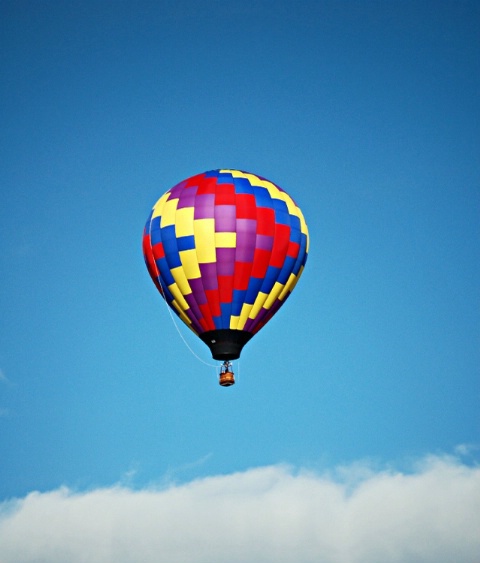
(265, 221)
(208, 186)
(260, 263)
(225, 194)
(293, 249)
(225, 288)
(213, 299)
(280, 245)
(242, 275)
(158, 251)
(246, 206)
(206, 321)
(194, 180)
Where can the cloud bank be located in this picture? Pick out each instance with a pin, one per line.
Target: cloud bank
(266, 515)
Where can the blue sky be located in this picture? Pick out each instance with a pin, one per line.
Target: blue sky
(367, 113)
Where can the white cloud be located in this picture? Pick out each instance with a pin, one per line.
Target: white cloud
(265, 515)
(464, 450)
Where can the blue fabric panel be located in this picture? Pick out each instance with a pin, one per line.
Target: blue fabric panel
(224, 178)
(296, 235)
(170, 247)
(168, 233)
(262, 197)
(238, 301)
(186, 243)
(171, 253)
(270, 278)
(166, 291)
(164, 270)
(243, 186)
(303, 246)
(295, 223)
(155, 236)
(282, 215)
(226, 309)
(254, 286)
(287, 269)
(155, 223)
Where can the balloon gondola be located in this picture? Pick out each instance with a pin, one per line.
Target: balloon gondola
(225, 249)
(226, 376)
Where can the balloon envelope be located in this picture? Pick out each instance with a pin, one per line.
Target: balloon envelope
(225, 249)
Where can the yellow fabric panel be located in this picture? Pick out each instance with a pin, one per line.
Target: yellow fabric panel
(291, 282)
(225, 240)
(191, 327)
(184, 222)
(177, 294)
(158, 207)
(254, 180)
(303, 225)
(234, 322)
(181, 280)
(275, 193)
(169, 212)
(204, 231)
(190, 264)
(183, 316)
(246, 308)
(300, 272)
(293, 209)
(177, 306)
(276, 290)
(257, 306)
(235, 173)
(273, 190)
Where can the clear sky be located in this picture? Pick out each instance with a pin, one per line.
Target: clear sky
(368, 114)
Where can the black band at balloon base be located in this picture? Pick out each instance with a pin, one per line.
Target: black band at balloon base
(226, 344)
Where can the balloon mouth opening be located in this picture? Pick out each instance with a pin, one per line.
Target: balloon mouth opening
(226, 344)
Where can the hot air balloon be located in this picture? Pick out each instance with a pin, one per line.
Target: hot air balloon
(225, 249)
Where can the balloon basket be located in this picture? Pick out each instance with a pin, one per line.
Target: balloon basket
(226, 379)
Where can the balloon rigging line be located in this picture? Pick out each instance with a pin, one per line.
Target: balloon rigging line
(183, 338)
(175, 324)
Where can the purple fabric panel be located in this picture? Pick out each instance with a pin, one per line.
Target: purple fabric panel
(252, 323)
(196, 325)
(192, 303)
(209, 276)
(225, 218)
(246, 226)
(264, 242)
(204, 206)
(225, 261)
(198, 291)
(276, 306)
(190, 190)
(246, 240)
(177, 190)
(245, 252)
(187, 198)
